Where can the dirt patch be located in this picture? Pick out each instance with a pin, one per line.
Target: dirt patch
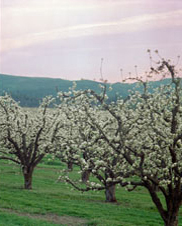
(53, 218)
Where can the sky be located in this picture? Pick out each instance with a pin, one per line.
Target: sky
(71, 39)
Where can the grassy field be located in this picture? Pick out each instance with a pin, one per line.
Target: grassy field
(55, 203)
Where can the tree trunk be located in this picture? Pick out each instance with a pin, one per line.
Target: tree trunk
(110, 194)
(27, 173)
(172, 218)
(173, 201)
(172, 222)
(85, 176)
(70, 166)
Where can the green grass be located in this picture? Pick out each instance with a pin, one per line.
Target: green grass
(50, 200)
(10, 219)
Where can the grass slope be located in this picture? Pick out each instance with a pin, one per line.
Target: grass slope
(51, 203)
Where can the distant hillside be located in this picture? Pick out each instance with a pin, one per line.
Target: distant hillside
(29, 91)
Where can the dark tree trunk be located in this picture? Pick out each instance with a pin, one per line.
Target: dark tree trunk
(85, 176)
(173, 201)
(171, 218)
(110, 194)
(70, 166)
(27, 173)
(172, 221)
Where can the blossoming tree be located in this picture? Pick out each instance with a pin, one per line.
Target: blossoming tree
(90, 138)
(142, 136)
(26, 135)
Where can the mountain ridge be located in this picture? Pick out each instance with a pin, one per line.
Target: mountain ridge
(30, 90)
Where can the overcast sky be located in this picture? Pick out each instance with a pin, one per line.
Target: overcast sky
(67, 38)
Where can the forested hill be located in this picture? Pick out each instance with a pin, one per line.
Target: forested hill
(30, 90)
